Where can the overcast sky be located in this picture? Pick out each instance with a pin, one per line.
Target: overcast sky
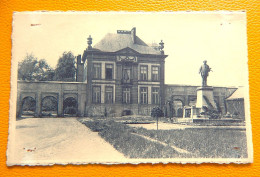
(189, 37)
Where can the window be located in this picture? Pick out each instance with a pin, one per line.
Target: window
(126, 95)
(143, 73)
(109, 95)
(143, 95)
(97, 71)
(109, 71)
(96, 94)
(155, 73)
(127, 74)
(155, 95)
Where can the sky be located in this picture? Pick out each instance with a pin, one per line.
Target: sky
(189, 37)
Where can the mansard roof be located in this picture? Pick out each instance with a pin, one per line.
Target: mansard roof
(115, 42)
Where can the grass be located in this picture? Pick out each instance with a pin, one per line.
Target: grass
(204, 143)
(121, 138)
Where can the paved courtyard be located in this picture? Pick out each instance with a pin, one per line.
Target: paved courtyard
(60, 140)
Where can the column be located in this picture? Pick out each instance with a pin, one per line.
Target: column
(38, 105)
(60, 102)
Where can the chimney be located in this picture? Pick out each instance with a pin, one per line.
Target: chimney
(79, 59)
(133, 34)
(80, 69)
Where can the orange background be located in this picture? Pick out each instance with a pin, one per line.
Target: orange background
(253, 13)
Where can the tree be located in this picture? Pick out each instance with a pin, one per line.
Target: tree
(31, 69)
(66, 69)
(157, 112)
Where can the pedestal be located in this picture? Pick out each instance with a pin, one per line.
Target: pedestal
(205, 97)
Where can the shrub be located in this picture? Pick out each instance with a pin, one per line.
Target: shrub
(157, 112)
(211, 113)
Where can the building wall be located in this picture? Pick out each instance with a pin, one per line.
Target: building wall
(78, 90)
(58, 90)
(188, 94)
(117, 110)
(236, 108)
(118, 82)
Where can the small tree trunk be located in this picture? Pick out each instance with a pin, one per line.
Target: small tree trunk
(157, 123)
(157, 127)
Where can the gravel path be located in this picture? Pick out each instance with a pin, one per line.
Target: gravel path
(59, 140)
(170, 126)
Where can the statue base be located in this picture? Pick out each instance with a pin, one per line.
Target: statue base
(205, 97)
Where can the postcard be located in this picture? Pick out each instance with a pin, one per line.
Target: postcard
(129, 87)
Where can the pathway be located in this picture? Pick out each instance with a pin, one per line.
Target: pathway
(59, 140)
(171, 126)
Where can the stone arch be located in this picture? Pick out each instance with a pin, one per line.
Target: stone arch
(178, 97)
(70, 106)
(49, 106)
(28, 107)
(178, 105)
(73, 95)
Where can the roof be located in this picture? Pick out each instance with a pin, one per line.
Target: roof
(238, 94)
(115, 42)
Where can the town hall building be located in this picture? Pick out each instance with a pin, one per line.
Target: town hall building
(123, 74)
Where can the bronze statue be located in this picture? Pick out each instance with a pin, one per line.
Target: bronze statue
(204, 72)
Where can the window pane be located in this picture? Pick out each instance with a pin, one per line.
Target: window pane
(126, 95)
(143, 95)
(97, 71)
(96, 95)
(109, 95)
(109, 71)
(155, 73)
(143, 72)
(109, 66)
(155, 96)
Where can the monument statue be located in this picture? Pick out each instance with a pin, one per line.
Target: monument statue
(204, 72)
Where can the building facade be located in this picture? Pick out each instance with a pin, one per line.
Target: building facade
(120, 75)
(123, 74)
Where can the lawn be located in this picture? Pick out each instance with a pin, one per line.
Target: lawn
(204, 143)
(201, 143)
(123, 139)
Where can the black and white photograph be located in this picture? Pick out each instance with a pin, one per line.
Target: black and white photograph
(129, 87)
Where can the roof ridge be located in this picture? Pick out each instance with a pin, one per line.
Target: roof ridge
(113, 42)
